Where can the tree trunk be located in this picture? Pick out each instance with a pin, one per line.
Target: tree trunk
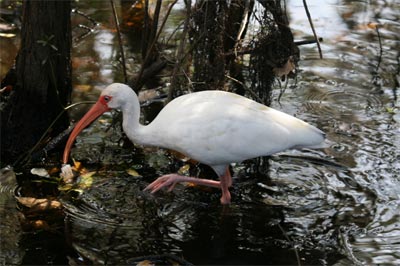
(43, 78)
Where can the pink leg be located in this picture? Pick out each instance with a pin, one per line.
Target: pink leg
(226, 182)
(172, 179)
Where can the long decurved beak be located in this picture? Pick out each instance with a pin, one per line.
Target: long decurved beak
(98, 109)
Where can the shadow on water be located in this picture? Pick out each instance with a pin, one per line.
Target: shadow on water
(334, 206)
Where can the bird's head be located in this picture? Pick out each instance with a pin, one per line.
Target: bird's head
(115, 96)
(112, 97)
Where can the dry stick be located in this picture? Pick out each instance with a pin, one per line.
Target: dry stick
(243, 25)
(312, 28)
(380, 48)
(155, 20)
(83, 35)
(139, 76)
(76, 11)
(121, 48)
(246, 88)
(294, 248)
(145, 34)
(180, 54)
(304, 42)
(174, 32)
(245, 51)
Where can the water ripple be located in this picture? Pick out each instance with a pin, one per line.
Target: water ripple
(339, 101)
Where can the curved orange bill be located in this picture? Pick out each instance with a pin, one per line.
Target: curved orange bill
(98, 109)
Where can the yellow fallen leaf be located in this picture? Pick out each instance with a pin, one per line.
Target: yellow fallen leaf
(132, 172)
(86, 180)
(7, 35)
(184, 169)
(65, 187)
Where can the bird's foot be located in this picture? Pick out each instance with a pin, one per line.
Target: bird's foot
(163, 181)
(172, 179)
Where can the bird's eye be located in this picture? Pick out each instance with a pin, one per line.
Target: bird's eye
(107, 98)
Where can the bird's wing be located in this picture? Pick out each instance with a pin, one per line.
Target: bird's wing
(219, 128)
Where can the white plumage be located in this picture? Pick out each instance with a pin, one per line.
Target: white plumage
(213, 127)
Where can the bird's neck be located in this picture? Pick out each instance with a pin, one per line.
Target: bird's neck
(135, 131)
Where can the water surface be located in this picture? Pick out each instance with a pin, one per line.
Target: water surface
(334, 206)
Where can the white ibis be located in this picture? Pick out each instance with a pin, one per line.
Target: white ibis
(215, 128)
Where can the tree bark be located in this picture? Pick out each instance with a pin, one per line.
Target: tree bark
(43, 78)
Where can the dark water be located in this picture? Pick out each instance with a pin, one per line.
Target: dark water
(333, 206)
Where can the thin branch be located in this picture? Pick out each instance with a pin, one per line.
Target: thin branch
(380, 48)
(282, 90)
(180, 54)
(93, 21)
(174, 32)
(304, 42)
(121, 48)
(155, 21)
(244, 21)
(139, 76)
(312, 28)
(243, 25)
(145, 32)
(291, 242)
(253, 94)
(163, 23)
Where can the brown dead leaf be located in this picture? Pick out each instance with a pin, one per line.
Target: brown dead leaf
(77, 165)
(367, 26)
(54, 170)
(80, 62)
(372, 25)
(288, 67)
(39, 204)
(134, 16)
(83, 88)
(28, 225)
(182, 157)
(145, 263)
(40, 224)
